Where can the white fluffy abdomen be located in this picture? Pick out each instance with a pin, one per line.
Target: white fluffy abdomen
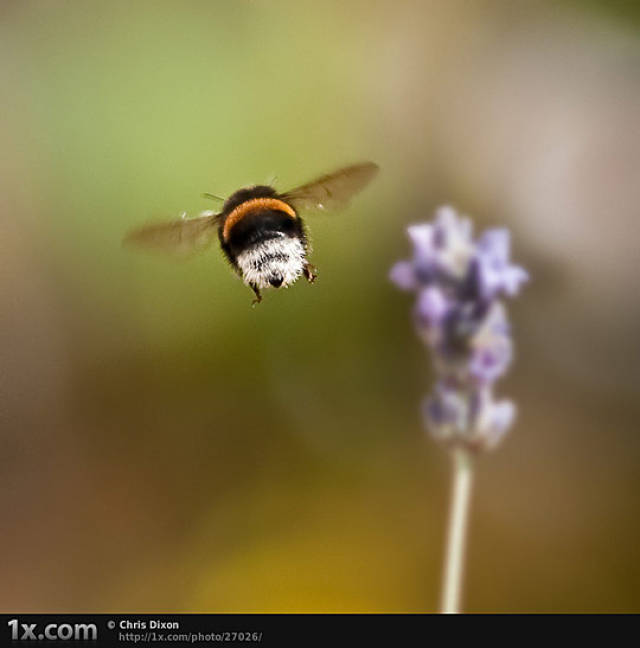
(278, 258)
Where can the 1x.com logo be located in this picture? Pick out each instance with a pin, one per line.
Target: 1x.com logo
(53, 631)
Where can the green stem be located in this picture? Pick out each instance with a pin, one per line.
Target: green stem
(458, 516)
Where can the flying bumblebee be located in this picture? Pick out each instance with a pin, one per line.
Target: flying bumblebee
(260, 231)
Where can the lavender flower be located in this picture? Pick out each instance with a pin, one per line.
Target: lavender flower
(458, 314)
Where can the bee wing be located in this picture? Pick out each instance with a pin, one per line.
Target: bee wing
(180, 238)
(332, 191)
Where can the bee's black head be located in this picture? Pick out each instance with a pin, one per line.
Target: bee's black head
(242, 195)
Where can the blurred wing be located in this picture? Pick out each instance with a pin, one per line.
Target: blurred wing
(180, 238)
(333, 190)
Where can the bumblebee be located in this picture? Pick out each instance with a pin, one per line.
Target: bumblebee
(260, 231)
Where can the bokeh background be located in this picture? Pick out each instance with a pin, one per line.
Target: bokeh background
(165, 447)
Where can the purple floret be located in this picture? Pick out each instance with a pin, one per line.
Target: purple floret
(458, 314)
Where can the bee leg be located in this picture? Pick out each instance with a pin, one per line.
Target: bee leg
(258, 298)
(310, 272)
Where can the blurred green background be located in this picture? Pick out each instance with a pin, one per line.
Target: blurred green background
(165, 447)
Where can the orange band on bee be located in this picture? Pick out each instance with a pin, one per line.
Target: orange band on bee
(253, 205)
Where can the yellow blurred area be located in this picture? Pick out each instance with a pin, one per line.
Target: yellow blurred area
(165, 447)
